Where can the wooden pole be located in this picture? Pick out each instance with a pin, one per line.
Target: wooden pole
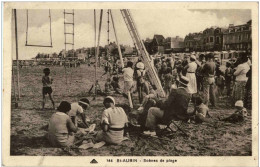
(118, 46)
(99, 32)
(121, 57)
(17, 57)
(14, 87)
(95, 52)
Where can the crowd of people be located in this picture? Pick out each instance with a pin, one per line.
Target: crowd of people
(191, 80)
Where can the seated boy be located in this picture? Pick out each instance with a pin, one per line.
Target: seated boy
(108, 86)
(239, 115)
(77, 109)
(61, 126)
(115, 85)
(152, 95)
(113, 122)
(200, 111)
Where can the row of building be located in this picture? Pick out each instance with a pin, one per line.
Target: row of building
(211, 39)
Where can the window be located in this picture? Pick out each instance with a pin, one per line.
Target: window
(239, 37)
(211, 39)
(217, 40)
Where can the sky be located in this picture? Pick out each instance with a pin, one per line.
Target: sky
(169, 23)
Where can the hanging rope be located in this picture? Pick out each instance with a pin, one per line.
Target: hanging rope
(27, 25)
(108, 26)
(50, 26)
(97, 48)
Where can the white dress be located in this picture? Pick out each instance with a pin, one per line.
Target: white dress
(192, 86)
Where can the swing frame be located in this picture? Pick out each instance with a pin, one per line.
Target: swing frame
(36, 45)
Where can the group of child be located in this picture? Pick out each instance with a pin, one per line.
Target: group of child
(63, 124)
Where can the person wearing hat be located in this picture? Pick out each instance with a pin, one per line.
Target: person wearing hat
(61, 126)
(47, 89)
(77, 109)
(208, 72)
(239, 115)
(191, 69)
(174, 107)
(113, 122)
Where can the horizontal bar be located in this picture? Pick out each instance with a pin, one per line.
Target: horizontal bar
(69, 43)
(68, 23)
(68, 13)
(50, 46)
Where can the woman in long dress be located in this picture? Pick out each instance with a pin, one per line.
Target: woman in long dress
(191, 69)
(241, 79)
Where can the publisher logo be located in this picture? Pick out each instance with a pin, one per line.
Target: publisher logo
(93, 161)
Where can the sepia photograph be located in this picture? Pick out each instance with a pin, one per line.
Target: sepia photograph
(130, 82)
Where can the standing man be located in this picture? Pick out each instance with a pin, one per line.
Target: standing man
(208, 72)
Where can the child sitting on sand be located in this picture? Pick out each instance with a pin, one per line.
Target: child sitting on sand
(115, 85)
(47, 81)
(108, 86)
(113, 123)
(77, 109)
(152, 95)
(61, 126)
(200, 111)
(239, 115)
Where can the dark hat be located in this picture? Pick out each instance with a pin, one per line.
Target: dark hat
(46, 70)
(64, 106)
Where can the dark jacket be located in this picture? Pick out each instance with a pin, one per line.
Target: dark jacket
(176, 106)
(249, 81)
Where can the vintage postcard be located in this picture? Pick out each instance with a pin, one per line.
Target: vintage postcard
(130, 84)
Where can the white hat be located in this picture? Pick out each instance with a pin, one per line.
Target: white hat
(193, 56)
(111, 98)
(140, 65)
(239, 103)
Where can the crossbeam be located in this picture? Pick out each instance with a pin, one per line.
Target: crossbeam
(47, 46)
